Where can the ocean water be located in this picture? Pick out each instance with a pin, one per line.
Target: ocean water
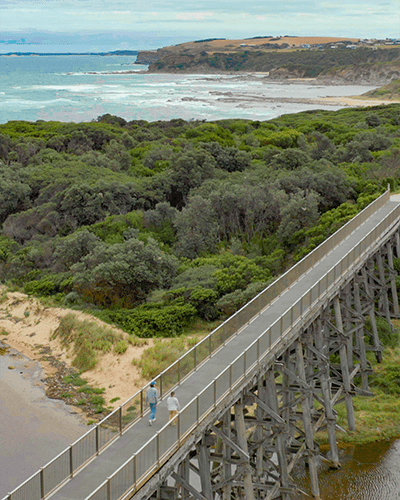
(81, 88)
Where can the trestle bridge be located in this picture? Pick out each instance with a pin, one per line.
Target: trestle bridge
(255, 391)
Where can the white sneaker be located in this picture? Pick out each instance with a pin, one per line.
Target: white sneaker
(154, 419)
(150, 422)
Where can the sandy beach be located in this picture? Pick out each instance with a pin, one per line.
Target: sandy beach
(35, 428)
(26, 325)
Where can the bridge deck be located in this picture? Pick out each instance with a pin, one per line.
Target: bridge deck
(89, 478)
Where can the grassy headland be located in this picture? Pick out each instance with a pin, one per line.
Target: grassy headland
(329, 60)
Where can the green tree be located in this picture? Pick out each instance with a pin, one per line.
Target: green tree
(73, 248)
(117, 152)
(300, 212)
(189, 170)
(124, 273)
(196, 228)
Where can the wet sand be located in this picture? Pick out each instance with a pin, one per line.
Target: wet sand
(34, 428)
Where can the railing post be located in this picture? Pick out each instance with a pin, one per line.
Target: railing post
(97, 439)
(179, 371)
(161, 386)
(120, 420)
(197, 408)
(71, 462)
(258, 351)
(158, 448)
(195, 357)
(244, 362)
(108, 489)
(141, 403)
(209, 347)
(215, 392)
(179, 429)
(134, 470)
(42, 494)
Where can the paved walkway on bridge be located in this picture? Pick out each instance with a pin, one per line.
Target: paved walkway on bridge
(88, 479)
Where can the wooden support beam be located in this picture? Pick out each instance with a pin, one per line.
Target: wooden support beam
(242, 442)
(393, 287)
(348, 324)
(189, 487)
(259, 434)
(183, 472)
(226, 452)
(308, 426)
(345, 369)
(204, 470)
(397, 244)
(269, 411)
(245, 456)
(280, 444)
(384, 294)
(371, 313)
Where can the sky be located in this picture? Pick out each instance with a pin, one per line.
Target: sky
(104, 25)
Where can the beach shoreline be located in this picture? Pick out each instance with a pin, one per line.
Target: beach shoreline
(27, 327)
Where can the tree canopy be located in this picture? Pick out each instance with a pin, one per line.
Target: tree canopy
(191, 218)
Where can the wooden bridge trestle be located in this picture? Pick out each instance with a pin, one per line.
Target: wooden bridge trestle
(252, 447)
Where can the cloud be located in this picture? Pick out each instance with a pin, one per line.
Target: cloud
(204, 18)
(194, 16)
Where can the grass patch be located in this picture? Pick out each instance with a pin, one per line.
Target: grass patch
(74, 379)
(121, 346)
(66, 395)
(88, 340)
(157, 358)
(97, 400)
(377, 417)
(137, 341)
(87, 389)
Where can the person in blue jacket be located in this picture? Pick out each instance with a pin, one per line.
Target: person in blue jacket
(151, 400)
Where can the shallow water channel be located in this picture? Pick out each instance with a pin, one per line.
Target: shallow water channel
(368, 472)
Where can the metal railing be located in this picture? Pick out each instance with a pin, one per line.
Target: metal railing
(67, 463)
(152, 455)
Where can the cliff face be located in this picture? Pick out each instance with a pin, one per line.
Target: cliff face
(371, 74)
(363, 65)
(148, 56)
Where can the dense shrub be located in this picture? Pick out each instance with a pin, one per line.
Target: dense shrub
(154, 320)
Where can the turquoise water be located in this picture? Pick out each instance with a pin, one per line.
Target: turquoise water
(81, 88)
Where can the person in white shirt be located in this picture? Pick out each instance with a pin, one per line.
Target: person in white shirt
(173, 406)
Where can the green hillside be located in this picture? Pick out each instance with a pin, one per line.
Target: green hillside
(159, 226)
(390, 91)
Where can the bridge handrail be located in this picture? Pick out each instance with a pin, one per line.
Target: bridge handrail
(102, 434)
(163, 445)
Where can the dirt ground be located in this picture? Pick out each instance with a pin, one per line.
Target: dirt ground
(27, 326)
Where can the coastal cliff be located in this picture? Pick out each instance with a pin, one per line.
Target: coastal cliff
(148, 56)
(336, 61)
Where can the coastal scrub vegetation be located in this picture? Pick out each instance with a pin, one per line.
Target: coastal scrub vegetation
(157, 226)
